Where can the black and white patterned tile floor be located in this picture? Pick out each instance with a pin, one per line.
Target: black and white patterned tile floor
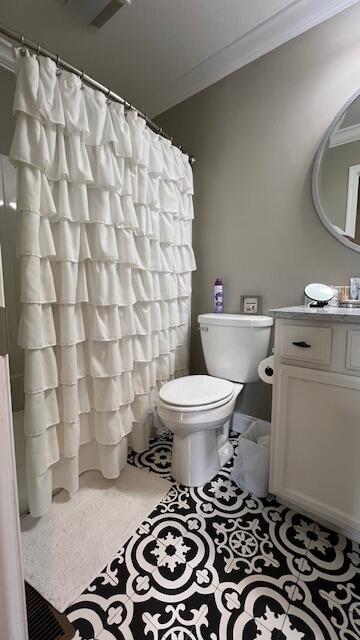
(215, 563)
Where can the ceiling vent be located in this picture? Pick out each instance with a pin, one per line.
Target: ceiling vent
(96, 12)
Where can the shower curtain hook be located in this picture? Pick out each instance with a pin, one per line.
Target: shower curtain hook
(82, 86)
(58, 71)
(38, 51)
(22, 50)
(108, 101)
(128, 106)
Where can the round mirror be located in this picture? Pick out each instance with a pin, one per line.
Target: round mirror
(336, 176)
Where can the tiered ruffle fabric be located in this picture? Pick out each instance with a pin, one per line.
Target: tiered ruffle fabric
(105, 247)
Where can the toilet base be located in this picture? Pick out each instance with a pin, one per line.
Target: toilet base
(197, 458)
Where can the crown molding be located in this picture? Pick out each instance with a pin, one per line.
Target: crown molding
(296, 18)
(345, 135)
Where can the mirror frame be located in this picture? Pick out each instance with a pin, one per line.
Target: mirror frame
(315, 177)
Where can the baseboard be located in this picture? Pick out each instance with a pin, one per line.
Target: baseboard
(348, 532)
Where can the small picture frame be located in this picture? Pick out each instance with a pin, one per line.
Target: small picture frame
(250, 304)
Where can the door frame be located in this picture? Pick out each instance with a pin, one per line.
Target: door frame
(352, 200)
(12, 592)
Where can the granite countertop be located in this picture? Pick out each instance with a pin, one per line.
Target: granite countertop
(332, 314)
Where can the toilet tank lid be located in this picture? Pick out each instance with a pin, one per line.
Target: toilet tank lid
(235, 320)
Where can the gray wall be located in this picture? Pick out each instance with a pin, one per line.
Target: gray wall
(255, 135)
(7, 86)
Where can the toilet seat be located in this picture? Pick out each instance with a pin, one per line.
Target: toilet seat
(202, 407)
(194, 392)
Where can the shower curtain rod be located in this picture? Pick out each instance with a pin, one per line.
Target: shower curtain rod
(29, 44)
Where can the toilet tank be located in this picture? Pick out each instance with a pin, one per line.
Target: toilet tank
(234, 344)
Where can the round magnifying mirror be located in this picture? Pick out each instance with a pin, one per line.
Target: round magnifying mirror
(336, 191)
(319, 293)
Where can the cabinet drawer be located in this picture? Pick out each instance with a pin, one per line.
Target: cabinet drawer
(353, 350)
(306, 343)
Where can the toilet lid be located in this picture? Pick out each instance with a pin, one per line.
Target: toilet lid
(192, 391)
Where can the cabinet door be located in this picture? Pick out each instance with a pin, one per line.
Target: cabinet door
(316, 443)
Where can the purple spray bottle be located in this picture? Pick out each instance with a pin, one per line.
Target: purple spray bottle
(218, 296)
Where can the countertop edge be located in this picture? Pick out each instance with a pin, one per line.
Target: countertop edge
(329, 314)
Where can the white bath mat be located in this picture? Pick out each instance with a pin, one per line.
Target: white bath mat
(69, 546)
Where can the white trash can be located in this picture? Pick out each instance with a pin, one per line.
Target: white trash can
(252, 462)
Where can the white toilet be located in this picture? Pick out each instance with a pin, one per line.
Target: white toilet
(197, 409)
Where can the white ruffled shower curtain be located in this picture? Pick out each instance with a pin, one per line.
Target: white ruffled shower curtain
(106, 261)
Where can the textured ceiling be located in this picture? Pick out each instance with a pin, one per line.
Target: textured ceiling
(156, 53)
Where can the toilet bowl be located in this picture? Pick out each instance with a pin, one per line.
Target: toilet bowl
(197, 409)
(201, 445)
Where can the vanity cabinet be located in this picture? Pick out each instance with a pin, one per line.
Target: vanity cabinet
(315, 450)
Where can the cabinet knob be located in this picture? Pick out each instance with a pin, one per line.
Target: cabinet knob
(302, 344)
